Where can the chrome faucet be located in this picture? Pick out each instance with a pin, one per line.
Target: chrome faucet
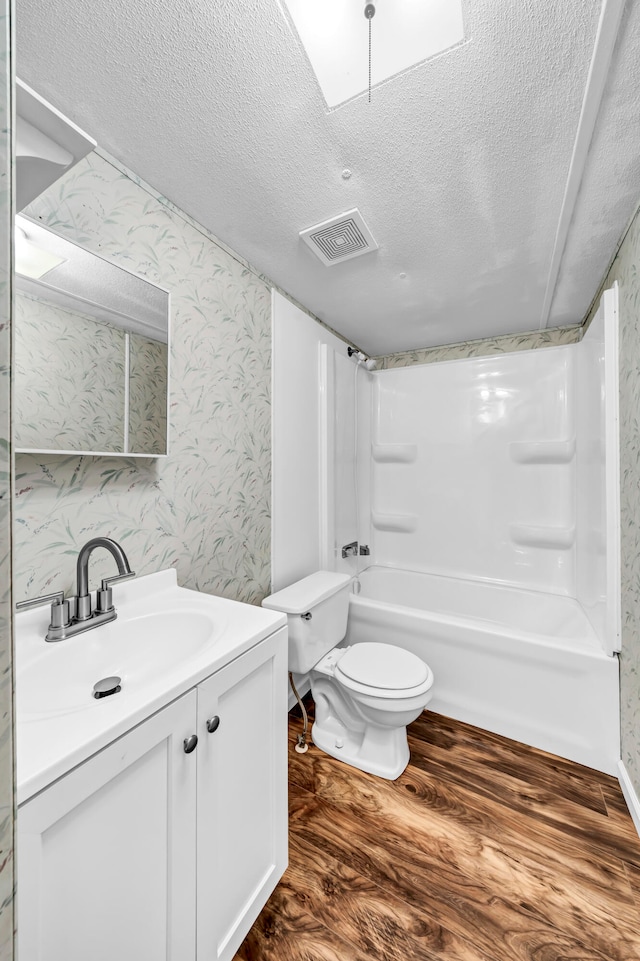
(350, 550)
(73, 615)
(104, 595)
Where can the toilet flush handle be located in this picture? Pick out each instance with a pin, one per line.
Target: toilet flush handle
(307, 616)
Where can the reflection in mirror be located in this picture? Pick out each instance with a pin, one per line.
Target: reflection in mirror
(147, 394)
(91, 351)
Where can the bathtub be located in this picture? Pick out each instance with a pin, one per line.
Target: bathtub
(523, 664)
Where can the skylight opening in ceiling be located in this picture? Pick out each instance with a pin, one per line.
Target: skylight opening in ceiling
(335, 35)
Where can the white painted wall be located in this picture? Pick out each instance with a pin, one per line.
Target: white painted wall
(473, 469)
(298, 412)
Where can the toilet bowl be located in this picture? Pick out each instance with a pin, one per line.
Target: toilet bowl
(366, 694)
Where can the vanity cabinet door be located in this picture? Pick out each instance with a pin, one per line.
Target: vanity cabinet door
(242, 794)
(106, 855)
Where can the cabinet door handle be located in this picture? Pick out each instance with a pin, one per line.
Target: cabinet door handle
(190, 743)
(213, 723)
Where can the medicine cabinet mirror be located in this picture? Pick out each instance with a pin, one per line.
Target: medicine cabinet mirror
(91, 351)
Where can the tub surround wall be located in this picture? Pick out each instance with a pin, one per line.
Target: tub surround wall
(598, 475)
(6, 679)
(494, 468)
(473, 469)
(626, 270)
(555, 337)
(206, 508)
(339, 452)
(345, 514)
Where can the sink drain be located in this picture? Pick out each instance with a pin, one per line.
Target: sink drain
(106, 686)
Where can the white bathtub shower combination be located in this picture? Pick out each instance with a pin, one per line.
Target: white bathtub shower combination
(486, 497)
(520, 663)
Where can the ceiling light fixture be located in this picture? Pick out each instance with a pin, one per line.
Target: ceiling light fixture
(369, 12)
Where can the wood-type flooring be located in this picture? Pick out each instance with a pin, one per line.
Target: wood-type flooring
(483, 850)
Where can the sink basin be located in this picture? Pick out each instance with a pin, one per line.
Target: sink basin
(140, 650)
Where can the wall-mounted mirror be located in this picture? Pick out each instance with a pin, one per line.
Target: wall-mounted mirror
(91, 351)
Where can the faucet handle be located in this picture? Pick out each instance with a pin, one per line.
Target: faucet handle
(108, 581)
(104, 599)
(59, 608)
(53, 599)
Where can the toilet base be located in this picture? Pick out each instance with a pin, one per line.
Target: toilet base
(378, 751)
(341, 731)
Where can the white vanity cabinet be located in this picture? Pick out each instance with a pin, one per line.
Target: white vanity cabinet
(147, 853)
(242, 795)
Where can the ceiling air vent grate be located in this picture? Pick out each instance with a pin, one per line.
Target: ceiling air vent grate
(340, 238)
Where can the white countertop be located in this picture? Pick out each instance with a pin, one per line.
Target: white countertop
(51, 743)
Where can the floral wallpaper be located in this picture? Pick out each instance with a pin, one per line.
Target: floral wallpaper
(69, 379)
(6, 680)
(147, 395)
(205, 509)
(626, 270)
(481, 348)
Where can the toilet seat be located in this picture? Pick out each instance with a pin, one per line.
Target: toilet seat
(382, 670)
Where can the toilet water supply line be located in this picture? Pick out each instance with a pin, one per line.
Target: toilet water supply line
(301, 746)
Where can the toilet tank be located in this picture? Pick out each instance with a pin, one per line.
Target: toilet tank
(325, 596)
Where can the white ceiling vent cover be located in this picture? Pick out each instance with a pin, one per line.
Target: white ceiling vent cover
(340, 238)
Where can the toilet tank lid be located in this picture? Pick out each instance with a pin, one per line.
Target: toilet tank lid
(300, 597)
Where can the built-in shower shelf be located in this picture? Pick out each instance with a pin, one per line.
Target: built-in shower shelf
(399, 523)
(543, 451)
(394, 453)
(551, 538)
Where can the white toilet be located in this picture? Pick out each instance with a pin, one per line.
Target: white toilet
(366, 694)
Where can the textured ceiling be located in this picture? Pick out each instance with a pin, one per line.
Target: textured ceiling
(458, 166)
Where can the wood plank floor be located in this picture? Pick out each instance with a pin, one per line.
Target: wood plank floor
(484, 850)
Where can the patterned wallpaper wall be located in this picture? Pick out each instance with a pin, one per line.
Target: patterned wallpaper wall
(481, 348)
(6, 683)
(147, 395)
(206, 508)
(626, 270)
(69, 379)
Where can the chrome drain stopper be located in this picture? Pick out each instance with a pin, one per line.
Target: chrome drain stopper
(106, 686)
